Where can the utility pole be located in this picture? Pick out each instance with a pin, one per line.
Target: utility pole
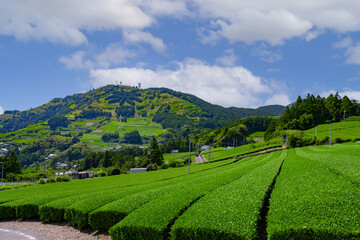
(150, 159)
(2, 173)
(233, 150)
(315, 134)
(286, 139)
(209, 152)
(189, 152)
(277, 136)
(344, 119)
(35, 175)
(330, 134)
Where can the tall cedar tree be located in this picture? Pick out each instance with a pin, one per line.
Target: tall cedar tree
(105, 161)
(156, 154)
(11, 164)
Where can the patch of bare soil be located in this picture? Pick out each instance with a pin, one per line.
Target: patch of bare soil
(62, 231)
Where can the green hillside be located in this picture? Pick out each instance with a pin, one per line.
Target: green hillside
(106, 117)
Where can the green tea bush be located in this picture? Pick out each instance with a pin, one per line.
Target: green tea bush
(65, 178)
(51, 180)
(41, 181)
(101, 173)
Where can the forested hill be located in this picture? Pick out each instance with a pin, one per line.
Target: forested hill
(170, 108)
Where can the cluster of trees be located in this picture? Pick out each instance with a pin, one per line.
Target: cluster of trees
(93, 113)
(38, 150)
(110, 137)
(179, 143)
(58, 121)
(237, 131)
(124, 159)
(121, 96)
(172, 120)
(11, 164)
(311, 111)
(125, 111)
(23, 119)
(132, 138)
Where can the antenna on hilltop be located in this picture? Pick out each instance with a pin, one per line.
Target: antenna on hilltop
(139, 85)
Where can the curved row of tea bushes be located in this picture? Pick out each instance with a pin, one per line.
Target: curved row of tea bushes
(231, 211)
(311, 202)
(152, 220)
(77, 187)
(108, 215)
(343, 161)
(26, 208)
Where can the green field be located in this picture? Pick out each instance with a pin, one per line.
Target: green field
(217, 154)
(145, 128)
(346, 131)
(303, 193)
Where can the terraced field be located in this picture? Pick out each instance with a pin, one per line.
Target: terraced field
(305, 193)
(346, 131)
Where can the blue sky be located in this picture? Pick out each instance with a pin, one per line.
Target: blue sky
(229, 52)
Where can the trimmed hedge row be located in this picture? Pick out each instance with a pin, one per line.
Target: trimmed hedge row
(152, 220)
(25, 208)
(231, 211)
(343, 161)
(311, 202)
(54, 211)
(82, 187)
(112, 213)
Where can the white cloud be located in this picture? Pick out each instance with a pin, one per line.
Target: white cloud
(113, 55)
(349, 93)
(266, 55)
(277, 21)
(228, 59)
(1, 110)
(352, 50)
(226, 86)
(135, 36)
(65, 21)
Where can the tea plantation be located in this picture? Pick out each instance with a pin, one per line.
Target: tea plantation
(302, 193)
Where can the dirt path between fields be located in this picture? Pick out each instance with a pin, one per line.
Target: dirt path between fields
(62, 231)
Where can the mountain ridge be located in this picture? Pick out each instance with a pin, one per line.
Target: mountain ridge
(147, 102)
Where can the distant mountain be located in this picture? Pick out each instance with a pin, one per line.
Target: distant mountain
(276, 110)
(170, 108)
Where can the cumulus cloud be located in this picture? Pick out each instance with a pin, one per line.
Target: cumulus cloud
(1, 110)
(226, 86)
(351, 50)
(352, 94)
(228, 59)
(277, 21)
(65, 21)
(136, 36)
(266, 55)
(68, 21)
(113, 55)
